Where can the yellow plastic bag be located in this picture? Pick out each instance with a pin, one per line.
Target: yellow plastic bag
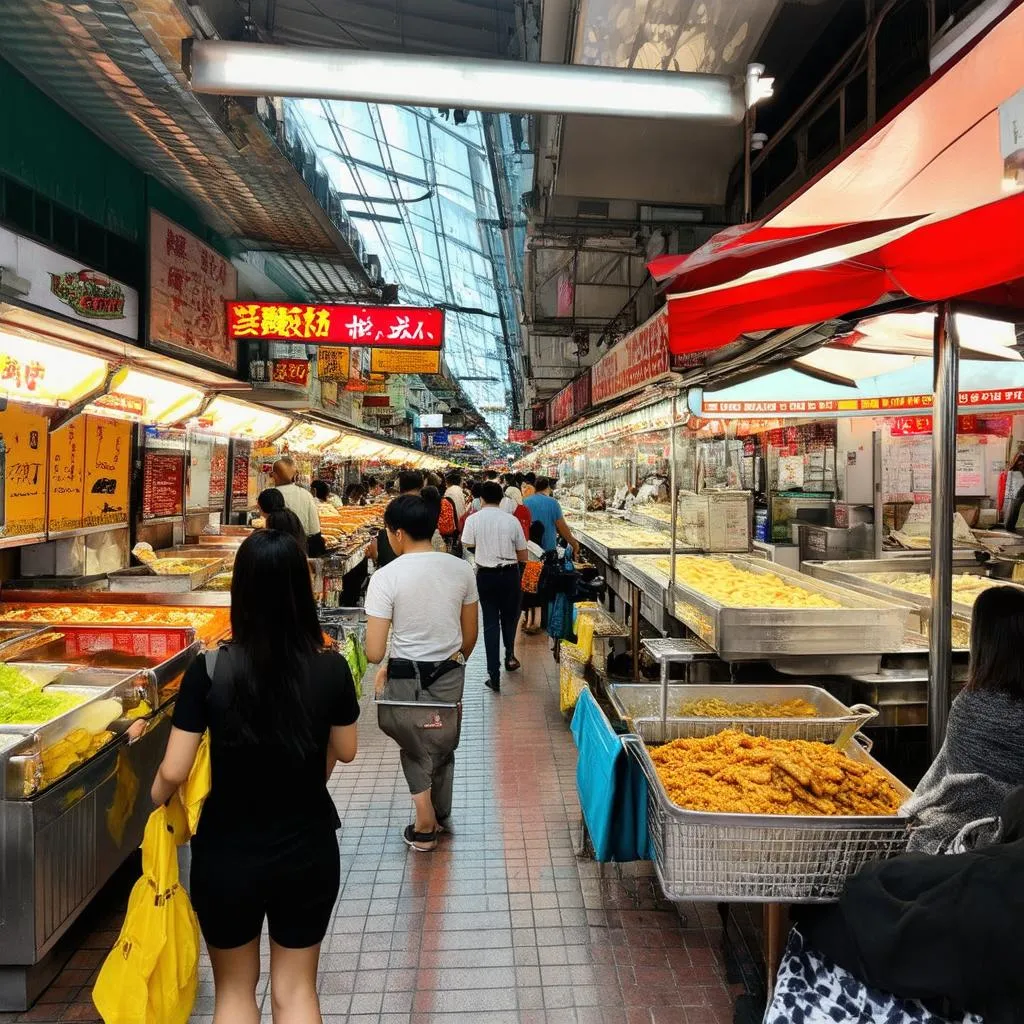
(151, 975)
(585, 636)
(197, 786)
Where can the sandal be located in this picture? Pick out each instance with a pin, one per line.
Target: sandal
(513, 664)
(421, 842)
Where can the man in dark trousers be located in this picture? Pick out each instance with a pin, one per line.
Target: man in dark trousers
(498, 545)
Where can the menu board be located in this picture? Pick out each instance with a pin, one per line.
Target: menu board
(108, 458)
(23, 437)
(163, 484)
(241, 452)
(67, 477)
(218, 473)
(970, 466)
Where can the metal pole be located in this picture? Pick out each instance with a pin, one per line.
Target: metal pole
(944, 407)
(748, 140)
(634, 628)
(664, 692)
(673, 483)
(586, 468)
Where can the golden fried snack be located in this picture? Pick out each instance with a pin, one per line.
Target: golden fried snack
(739, 774)
(715, 707)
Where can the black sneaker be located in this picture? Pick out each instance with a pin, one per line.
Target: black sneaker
(493, 684)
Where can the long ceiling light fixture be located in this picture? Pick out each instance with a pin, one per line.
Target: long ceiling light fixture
(256, 69)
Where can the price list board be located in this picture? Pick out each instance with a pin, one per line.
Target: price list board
(23, 437)
(108, 459)
(241, 455)
(67, 478)
(163, 484)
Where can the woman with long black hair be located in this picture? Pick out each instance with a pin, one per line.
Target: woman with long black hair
(281, 712)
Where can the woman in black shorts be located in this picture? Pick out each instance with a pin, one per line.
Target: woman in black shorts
(281, 712)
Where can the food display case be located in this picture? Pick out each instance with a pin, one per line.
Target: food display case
(747, 610)
(170, 575)
(74, 802)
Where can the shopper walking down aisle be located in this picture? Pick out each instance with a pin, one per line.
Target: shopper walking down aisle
(428, 601)
(410, 481)
(513, 504)
(301, 502)
(982, 757)
(545, 509)
(498, 544)
(280, 710)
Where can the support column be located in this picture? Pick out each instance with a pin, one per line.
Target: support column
(673, 483)
(944, 410)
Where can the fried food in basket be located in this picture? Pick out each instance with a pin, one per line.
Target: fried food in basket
(715, 707)
(738, 774)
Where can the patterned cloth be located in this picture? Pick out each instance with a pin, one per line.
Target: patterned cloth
(810, 990)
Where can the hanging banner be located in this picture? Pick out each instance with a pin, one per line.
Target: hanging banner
(573, 399)
(377, 402)
(522, 436)
(333, 363)
(23, 436)
(640, 358)
(189, 284)
(406, 327)
(396, 360)
(67, 478)
(108, 458)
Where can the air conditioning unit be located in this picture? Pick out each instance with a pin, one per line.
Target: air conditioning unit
(372, 264)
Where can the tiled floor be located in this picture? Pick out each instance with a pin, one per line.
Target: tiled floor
(503, 923)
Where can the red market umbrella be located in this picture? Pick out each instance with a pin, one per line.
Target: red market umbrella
(972, 255)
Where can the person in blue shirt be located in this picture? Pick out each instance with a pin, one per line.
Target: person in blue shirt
(545, 509)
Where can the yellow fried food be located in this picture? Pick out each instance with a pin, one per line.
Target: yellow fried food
(179, 566)
(715, 707)
(739, 774)
(966, 586)
(140, 615)
(730, 585)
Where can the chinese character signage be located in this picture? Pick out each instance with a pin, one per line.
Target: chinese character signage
(640, 358)
(573, 399)
(879, 406)
(67, 477)
(294, 372)
(134, 405)
(24, 436)
(405, 327)
(396, 360)
(522, 436)
(333, 363)
(108, 460)
(189, 285)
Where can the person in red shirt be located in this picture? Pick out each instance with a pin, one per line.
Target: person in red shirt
(513, 504)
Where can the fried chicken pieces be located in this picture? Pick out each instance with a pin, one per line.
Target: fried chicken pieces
(715, 707)
(739, 774)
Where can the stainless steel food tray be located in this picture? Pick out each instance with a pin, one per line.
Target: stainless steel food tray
(852, 574)
(748, 858)
(639, 707)
(641, 572)
(863, 625)
(15, 640)
(609, 553)
(141, 580)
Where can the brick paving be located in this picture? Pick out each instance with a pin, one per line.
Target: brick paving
(503, 923)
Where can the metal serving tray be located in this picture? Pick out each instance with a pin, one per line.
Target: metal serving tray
(640, 570)
(141, 580)
(863, 625)
(639, 707)
(750, 858)
(608, 552)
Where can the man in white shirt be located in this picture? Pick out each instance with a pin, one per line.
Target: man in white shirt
(499, 547)
(456, 494)
(301, 502)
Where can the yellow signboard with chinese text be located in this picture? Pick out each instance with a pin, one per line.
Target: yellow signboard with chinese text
(108, 460)
(333, 363)
(23, 435)
(396, 360)
(67, 477)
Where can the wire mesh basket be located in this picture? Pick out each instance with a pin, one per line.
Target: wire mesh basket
(701, 856)
(639, 705)
(339, 623)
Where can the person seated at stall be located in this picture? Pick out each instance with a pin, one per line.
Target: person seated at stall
(301, 502)
(982, 757)
(917, 939)
(323, 494)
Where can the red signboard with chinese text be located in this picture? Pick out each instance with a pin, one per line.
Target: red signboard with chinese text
(638, 359)
(522, 436)
(377, 402)
(291, 371)
(189, 284)
(411, 327)
(879, 406)
(573, 399)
